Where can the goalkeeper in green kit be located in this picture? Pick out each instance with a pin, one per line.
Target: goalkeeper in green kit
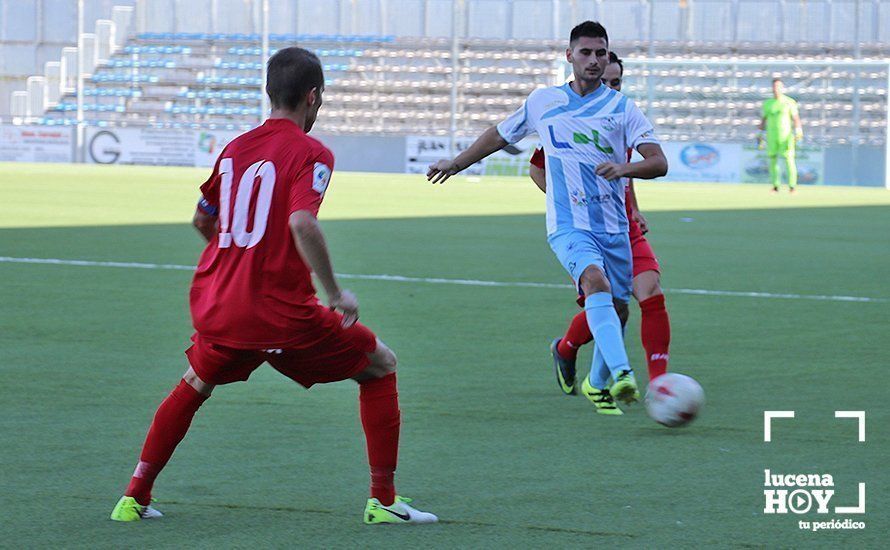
(779, 113)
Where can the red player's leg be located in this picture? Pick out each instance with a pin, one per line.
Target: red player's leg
(381, 421)
(655, 329)
(170, 424)
(576, 336)
(354, 352)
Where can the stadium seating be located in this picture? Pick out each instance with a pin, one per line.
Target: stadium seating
(386, 85)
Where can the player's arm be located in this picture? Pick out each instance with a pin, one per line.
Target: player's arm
(510, 130)
(539, 177)
(638, 134)
(654, 165)
(635, 208)
(207, 209)
(536, 170)
(798, 127)
(205, 223)
(313, 248)
(489, 142)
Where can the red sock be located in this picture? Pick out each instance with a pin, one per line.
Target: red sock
(169, 426)
(655, 333)
(577, 335)
(381, 420)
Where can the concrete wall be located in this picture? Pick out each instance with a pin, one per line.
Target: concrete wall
(869, 163)
(33, 32)
(366, 153)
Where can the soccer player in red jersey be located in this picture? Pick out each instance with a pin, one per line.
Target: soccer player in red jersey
(655, 331)
(252, 298)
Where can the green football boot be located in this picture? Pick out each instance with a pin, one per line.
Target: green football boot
(398, 512)
(602, 399)
(625, 388)
(127, 509)
(565, 369)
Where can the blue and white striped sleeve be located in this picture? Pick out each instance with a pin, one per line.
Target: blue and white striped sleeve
(637, 128)
(517, 125)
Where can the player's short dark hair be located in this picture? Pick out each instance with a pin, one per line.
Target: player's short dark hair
(777, 79)
(590, 29)
(613, 58)
(292, 72)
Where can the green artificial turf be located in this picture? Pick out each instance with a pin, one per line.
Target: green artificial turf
(488, 441)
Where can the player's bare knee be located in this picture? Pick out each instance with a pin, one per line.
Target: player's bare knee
(389, 361)
(593, 280)
(646, 285)
(383, 361)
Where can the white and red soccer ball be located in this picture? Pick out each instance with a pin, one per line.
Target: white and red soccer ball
(674, 399)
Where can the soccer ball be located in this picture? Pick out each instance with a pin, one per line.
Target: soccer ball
(674, 400)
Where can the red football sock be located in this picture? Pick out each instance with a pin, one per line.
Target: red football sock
(655, 332)
(577, 335)
(381, 420)
(169, 426)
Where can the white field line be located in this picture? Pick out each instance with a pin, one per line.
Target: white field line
(465, 282)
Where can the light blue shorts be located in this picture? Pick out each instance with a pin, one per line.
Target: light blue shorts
(577, 249)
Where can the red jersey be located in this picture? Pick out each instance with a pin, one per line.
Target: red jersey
(252, 289)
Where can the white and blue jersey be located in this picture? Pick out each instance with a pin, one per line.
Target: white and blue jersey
(578, 133)
(586, 218)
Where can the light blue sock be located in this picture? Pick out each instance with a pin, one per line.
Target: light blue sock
(606, 330)
(599, 372)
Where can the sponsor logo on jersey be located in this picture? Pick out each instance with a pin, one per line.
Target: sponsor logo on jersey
(579, 199)
(594, 138)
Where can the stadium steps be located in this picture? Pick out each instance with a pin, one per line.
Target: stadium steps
(404, 85)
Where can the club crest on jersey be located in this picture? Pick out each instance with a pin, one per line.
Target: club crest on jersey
(609, 124)
(321, 176)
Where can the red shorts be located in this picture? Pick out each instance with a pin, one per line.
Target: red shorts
(339, 355)
(643, 256)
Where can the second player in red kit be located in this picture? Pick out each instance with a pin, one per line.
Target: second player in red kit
(252, 298)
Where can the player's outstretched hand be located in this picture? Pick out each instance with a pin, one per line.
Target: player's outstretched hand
(441, 171)
(611, 170)
(347, 304)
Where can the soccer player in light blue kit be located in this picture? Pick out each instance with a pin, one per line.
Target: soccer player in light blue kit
(586, 129)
